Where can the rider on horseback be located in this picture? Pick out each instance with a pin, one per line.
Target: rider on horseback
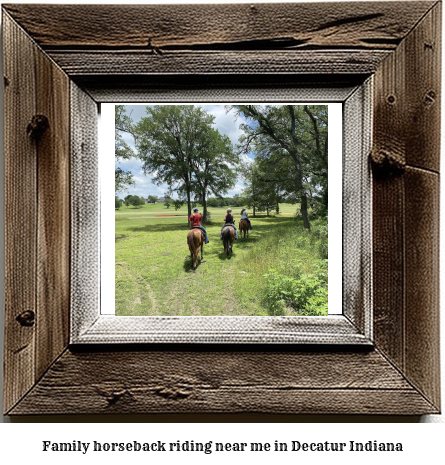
(245, 216)
(195, 222)
(228, 219)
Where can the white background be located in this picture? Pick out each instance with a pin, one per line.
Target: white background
(21, 440)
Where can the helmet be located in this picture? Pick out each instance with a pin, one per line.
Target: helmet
(229, 209)
(196, 209)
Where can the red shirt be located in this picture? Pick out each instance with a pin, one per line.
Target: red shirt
(196, 219)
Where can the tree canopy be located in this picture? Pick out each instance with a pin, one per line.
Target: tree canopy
(122, 151)
(179, 146)
(290, 147)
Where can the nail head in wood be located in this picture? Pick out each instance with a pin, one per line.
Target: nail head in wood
(430, 97)
(26, 318)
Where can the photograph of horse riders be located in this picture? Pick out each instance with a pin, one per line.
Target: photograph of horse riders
(221, 210)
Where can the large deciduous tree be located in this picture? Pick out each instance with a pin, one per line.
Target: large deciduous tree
(179, 147)
(122, 151)
(212, 167)
(290, 147)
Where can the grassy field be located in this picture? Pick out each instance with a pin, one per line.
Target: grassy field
(154, 274)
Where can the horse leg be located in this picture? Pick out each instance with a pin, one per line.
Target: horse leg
(201, 248)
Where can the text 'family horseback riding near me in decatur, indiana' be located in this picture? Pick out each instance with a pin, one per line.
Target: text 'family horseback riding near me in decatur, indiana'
(211, 446)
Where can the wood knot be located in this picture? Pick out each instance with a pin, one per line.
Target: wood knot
(172, 393)
(391, 99)
(5, 81)
(113, 395)
(26, 318)
(387, 162)
(37, 126)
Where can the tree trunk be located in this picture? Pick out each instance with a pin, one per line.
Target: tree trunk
(267, 210)
(204, 208)
(278, 209)
(303, 209)
(189, 205)
(300, 190)
(253, 210)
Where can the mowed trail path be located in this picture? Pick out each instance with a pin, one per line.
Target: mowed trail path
(154, 275)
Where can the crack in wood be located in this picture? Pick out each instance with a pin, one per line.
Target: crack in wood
(353, 19)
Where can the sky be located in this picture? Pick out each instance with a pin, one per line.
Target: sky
(226, 123)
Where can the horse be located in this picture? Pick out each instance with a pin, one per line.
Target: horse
(195, 238)
(228, 236)
(243, 226)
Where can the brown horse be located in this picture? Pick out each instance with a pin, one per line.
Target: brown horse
(195, 238)
(228, 236)
(243, 227)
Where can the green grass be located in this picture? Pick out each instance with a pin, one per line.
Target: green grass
(154, 274)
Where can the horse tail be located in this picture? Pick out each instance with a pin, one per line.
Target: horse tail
(191, 242)
(226, 237)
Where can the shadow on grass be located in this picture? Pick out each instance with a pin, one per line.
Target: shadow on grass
(188, 263)
(120, 237)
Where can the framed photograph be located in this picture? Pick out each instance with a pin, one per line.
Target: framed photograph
(377, 352)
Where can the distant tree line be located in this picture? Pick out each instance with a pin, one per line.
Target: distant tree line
(129, 200)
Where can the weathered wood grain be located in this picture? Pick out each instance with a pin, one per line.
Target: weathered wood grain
(423, 92)
(128, 62)
(275, 25)
(357, 209)
(85, 207)
(406, 240)
(388, 199)
(388, 268)
(53, 195)
(422, 323)
(20, 213)
(400, 41)
(223, 382)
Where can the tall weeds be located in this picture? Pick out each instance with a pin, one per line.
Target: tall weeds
(297, 281)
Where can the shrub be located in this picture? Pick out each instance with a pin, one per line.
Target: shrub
(306, 294)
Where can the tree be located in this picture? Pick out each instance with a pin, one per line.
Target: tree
(153, 198)
(213, 202)
(178, 204)
(212, 169)
(179, 147)
(118, 202)
(167, 201)
(290, 144)
(136, 201)
(261, 195)
(122, 151)
(127, 200)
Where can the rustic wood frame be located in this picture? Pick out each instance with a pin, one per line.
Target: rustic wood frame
(75, 56)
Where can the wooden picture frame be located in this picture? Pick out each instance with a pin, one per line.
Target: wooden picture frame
(56, 71)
